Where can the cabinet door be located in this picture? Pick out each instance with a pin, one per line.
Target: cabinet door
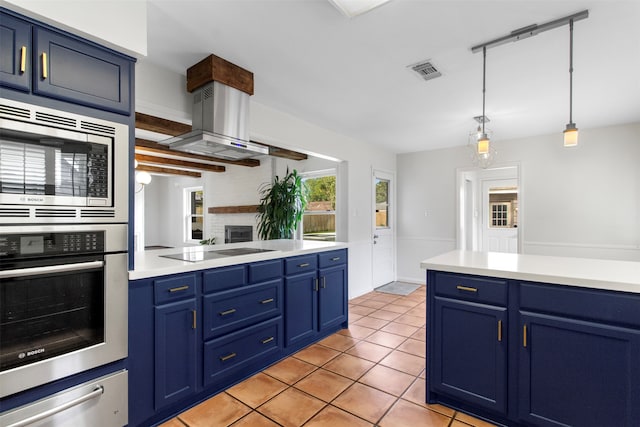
(469, 353)
(301, 307)
(15, 49)
(175, 351)
(578, 373)
(74, 71)
(332, 296)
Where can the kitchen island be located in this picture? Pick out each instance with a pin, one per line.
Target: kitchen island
(204, 318)
(534, 340)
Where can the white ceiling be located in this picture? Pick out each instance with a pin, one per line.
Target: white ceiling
(351, 75)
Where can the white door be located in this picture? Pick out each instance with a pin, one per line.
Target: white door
(500, 215)
(383, 258)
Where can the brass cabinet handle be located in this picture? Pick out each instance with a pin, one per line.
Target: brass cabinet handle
(466, 288)
(304, 264)
(524, 336)
(499, 330)
(324, 281)
(267, 340)
(227, 357)
(315, 284)
(266, 301)
(44, 65)
(335, 258)
(194, 323)
(226, 312)
(23, 59)
(179, 288)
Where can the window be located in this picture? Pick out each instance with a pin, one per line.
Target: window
(319, 219)
(503, 207)
(194, 211)
(382, 203)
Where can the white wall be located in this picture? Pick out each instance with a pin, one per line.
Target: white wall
(120, 25)
(582, 202)
(274, 127)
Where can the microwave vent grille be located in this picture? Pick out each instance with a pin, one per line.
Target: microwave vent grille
(9, 110)
(14, 212)
(97, 213)
(52, 118)
(97, 128)
(55, 213)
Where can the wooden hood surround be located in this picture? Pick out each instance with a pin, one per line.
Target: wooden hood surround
(158, 158)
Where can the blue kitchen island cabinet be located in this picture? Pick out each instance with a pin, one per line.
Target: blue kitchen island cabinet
(195, 333)
(518, 352)
(42, 60)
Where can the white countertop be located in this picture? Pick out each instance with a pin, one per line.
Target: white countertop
(151, 263)
(585, 272)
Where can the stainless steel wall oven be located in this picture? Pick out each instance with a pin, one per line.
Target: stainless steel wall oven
(63, 293)
(61, 167)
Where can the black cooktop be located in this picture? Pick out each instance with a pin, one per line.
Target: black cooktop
(196, 256)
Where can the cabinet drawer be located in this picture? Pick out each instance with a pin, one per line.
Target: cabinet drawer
(232, 353)
(327, 259)
(261, 271)
(174, 288)
(593, 304)
(300, 264)
(462, 286)
(223, 278)
(234, 309)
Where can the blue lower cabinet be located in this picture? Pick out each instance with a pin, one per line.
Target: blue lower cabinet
(226, 358)
(578, 373)
(553, 355)
(175, 351)
(470, 352)
(332, 296)
(301, 307)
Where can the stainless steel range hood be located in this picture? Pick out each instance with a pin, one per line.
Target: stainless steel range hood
(220, 122)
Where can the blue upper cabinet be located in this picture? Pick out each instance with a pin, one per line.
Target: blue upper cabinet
(15, 50)
(74, 71)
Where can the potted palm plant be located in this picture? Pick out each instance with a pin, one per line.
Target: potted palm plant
(282, 204)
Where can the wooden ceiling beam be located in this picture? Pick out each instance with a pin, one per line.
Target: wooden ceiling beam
(154, 147)
(284, 153)
(144, 158)
(159, 125)
(169, 171)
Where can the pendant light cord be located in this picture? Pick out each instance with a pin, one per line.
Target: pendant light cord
(484, 73)
(571, 71)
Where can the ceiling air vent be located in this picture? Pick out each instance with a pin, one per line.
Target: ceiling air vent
(426, 70)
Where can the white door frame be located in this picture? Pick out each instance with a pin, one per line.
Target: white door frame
(390, 270)
(476, 176)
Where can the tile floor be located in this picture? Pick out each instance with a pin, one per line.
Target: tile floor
(371, 374)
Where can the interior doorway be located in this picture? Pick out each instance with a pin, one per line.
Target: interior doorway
(383, 252)
(490, 209)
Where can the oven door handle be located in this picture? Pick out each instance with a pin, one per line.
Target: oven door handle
(70, 404)
(62, 268)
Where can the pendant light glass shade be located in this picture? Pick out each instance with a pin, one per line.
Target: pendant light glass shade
(571, 135)
(483, 144)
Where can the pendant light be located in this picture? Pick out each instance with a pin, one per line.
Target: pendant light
(571, 132)
(483, 140)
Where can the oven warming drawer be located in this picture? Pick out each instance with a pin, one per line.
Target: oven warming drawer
(98, 403)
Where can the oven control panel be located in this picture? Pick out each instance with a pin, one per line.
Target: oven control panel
(38, 244)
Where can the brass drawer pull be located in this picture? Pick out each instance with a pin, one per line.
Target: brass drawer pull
(179, 288)
(194, 320)
(524, 336)
(23, 59)
(335, 258)
(227, 357)
(304, 264)
(227, 312)
(499, 330)
(466, 288)
(266, 301)
(267, 340)
(44, 66)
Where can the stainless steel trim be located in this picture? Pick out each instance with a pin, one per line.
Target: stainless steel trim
(46, 414)
(62, 268)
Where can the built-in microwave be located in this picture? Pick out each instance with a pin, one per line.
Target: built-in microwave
(57, 166)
